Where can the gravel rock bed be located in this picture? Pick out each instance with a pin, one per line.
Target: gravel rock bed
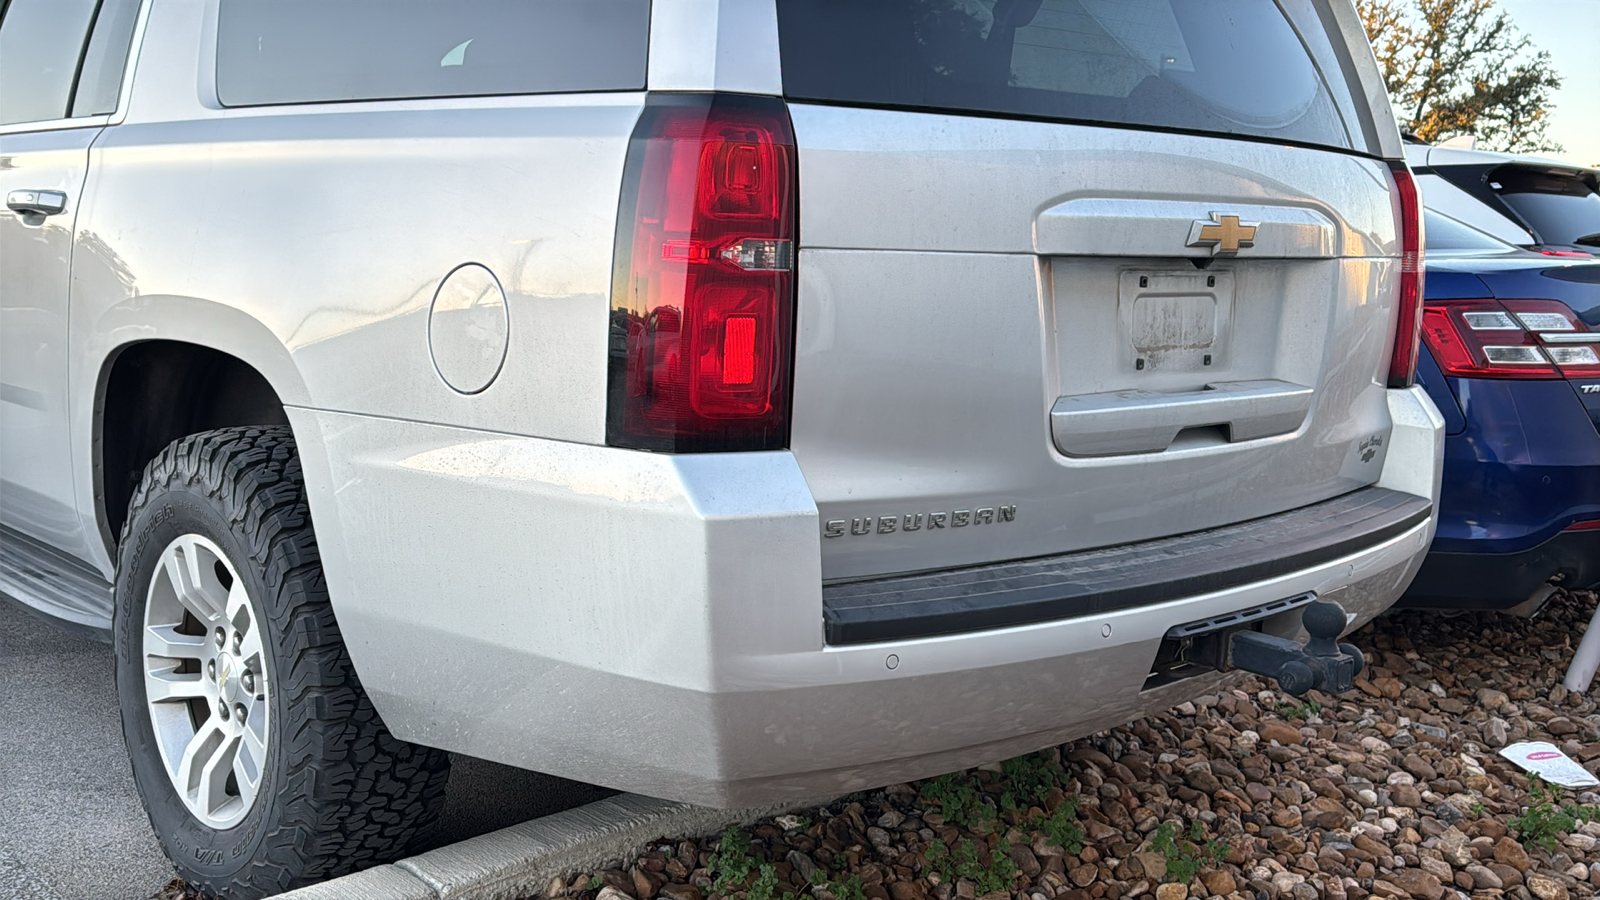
(1394, 790)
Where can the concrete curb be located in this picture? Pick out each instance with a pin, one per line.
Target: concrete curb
(521, 860)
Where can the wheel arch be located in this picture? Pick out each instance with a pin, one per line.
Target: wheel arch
(163, 367)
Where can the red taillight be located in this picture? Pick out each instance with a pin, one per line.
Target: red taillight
(1510, 339)
(702, 296)
(1584, 526)
(1408, 317)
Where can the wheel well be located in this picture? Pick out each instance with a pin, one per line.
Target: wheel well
(158, 391)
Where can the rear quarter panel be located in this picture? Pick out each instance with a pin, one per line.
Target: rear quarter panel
(333, 225)
(309, 241)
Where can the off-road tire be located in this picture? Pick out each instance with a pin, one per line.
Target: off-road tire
(338, 793)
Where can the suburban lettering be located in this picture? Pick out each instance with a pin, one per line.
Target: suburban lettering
(959, 518)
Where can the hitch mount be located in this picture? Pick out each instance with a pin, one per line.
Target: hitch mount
(1321, 663)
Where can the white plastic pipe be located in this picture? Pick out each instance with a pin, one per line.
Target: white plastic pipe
(1584, 662)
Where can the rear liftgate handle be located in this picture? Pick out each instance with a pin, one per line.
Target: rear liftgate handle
(1124, 422)
(1321, 663)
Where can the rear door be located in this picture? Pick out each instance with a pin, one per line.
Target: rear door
(1077, 273)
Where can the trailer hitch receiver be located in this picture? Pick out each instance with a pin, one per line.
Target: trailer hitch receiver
(1321, 663)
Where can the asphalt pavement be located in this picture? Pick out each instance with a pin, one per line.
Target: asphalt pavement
(71, 827)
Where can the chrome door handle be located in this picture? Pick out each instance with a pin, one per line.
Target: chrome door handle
(1148, 422)
(37, 203)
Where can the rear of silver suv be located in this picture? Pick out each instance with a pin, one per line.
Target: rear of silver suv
(1076, 320)
(1104, 324)
(725, 400)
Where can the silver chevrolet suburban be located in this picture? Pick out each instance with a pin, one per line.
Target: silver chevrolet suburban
(725, 400)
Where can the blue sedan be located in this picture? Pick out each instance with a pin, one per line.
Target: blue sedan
(1512, 359)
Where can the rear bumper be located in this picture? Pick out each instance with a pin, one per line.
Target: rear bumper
(1524, 466)
(655, 623)
(1022, 592)
(1504, 580)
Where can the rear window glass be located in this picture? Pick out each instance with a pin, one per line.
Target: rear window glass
(1227, 66)
(311, 51)
(1442, 233)
(1560, 209)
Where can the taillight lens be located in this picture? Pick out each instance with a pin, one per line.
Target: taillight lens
(1510, 339)
(1408, 316)
(702, 294)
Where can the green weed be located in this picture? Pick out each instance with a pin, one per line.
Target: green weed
(1295, 709)
(732, 864)
(965, 862)
(1185, 858)
(1028, 780)
(1061, 827)
(958, 799)
(1539, 825)
(849, 889)
(765, 887)
(1582, 813)
(1543, 819)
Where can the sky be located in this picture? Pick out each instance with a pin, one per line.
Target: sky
(1570, 30)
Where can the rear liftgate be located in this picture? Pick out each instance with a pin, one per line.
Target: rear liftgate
(1232, 642)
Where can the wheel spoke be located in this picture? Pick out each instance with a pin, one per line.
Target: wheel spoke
(163, 685)
(164, 641)
(198, 753)
(238, 601)
(250, 652)
(250, 759)
(214, 774)
(183, 569)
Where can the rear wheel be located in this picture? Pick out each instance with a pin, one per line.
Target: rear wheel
(260, 760)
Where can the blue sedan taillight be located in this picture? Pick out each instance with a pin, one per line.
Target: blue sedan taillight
(1519, 339)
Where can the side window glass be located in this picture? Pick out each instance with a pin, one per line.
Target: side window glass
(1445, 233)
(319, 51)
(41, 45)
(100, 81)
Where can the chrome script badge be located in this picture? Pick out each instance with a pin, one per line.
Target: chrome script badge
(933, 521)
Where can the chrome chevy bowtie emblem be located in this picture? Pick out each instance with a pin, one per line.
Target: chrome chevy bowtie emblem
(1223, 234)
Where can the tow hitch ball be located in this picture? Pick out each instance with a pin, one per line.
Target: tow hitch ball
(1320, 663)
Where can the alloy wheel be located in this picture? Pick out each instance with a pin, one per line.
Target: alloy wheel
(206, 681)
